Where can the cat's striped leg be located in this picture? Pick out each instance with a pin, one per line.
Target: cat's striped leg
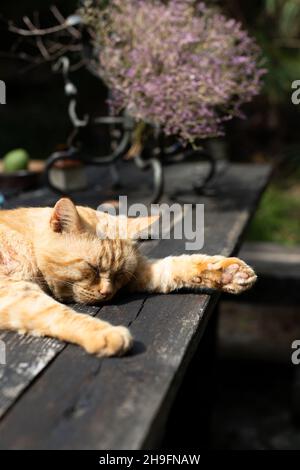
(193, 271)
(25, 308)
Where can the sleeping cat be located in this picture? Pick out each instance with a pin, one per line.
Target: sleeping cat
(48, 254)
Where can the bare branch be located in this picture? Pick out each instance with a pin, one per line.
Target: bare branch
(42, 48)
(39, 42)
(56, 13)
(81, 63)
(37, 31)
(29, 24)
(52, 42)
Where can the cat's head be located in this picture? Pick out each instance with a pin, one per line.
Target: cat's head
(79, 266)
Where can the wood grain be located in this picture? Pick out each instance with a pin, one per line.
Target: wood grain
(80, 402)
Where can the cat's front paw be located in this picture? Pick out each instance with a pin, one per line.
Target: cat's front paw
(237, 276)
(230, 275)
(111, 341)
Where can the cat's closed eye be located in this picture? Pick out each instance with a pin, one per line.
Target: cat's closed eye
(119, 275)
(122, 277)
(95, 269)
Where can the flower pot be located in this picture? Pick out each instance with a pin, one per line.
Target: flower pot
(22, 180)
(68, 175)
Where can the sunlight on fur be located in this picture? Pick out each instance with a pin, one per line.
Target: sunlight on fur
(48, 256)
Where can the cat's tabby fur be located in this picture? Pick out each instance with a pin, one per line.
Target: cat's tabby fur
(48, 254)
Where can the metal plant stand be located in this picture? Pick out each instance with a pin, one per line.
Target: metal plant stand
(152, 160)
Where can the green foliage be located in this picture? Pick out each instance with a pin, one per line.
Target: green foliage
(278, 217)
(277, 26)
(287, 12)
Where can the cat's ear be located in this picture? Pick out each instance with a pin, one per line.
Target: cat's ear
(65, 217)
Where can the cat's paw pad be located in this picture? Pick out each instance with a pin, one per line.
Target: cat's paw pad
(112, 341)
(237, 276)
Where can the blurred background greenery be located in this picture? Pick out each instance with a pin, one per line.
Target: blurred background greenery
(36, 117)
(272, 131)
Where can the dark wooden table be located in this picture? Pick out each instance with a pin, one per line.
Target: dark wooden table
(55, 396)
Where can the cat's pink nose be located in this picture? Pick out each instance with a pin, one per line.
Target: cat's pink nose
(105, 292)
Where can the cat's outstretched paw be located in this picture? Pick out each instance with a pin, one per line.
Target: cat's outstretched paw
(230, 275)
(111, 341)
(237, 276)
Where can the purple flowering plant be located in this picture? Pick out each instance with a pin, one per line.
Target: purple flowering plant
(175, 64)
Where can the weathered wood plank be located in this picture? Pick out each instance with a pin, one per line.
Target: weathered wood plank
(26, 357)
(81, 402)
(108, 404)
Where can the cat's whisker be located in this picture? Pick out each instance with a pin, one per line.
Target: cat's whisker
(131, 274)
(41, 278)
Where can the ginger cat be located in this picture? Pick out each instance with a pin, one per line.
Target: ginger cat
(47, 252)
